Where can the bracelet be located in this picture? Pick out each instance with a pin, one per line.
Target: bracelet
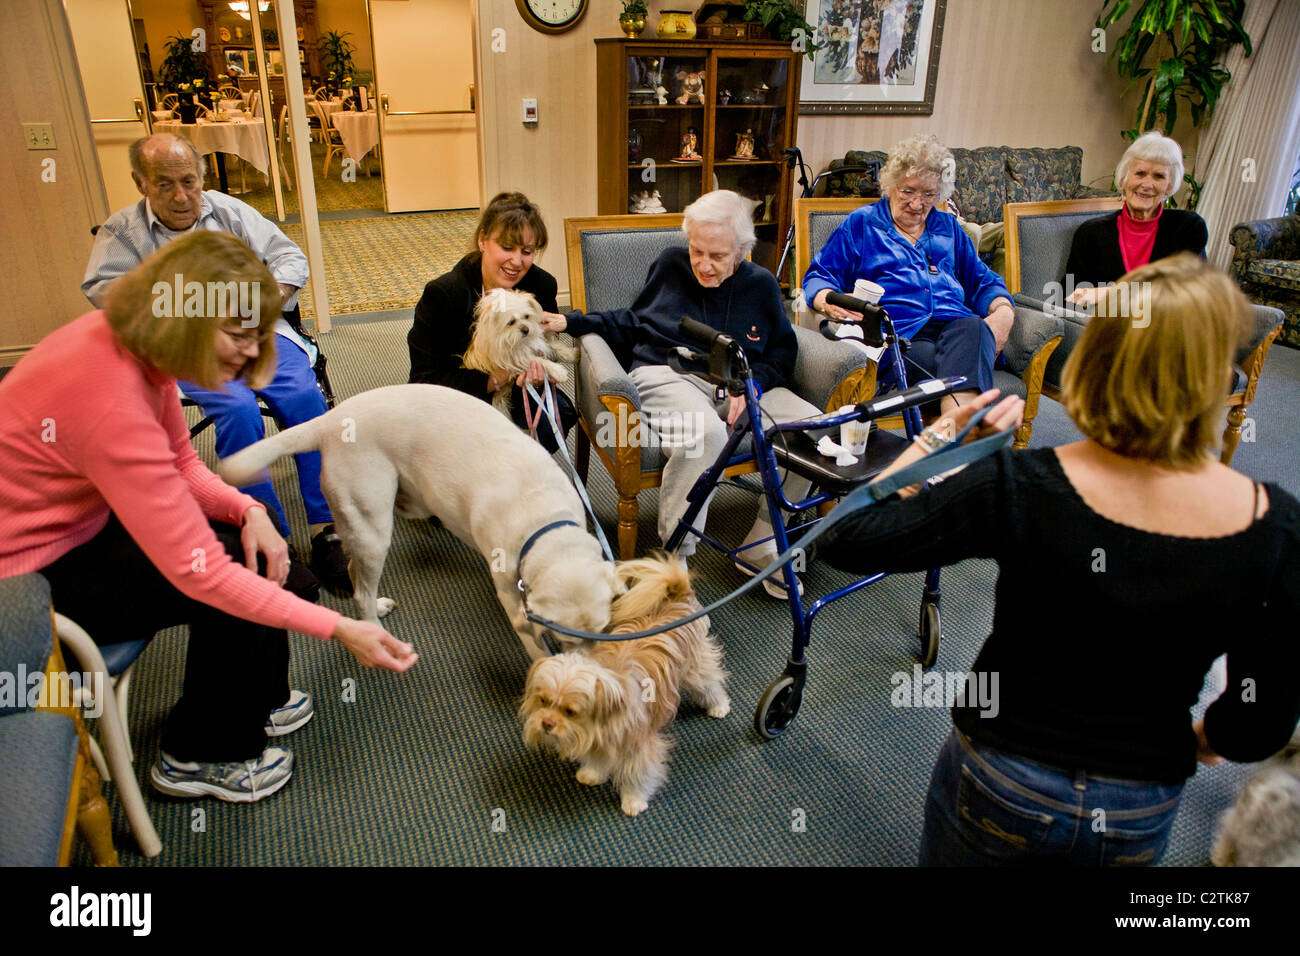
(931, 440)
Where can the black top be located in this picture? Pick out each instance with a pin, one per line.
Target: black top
(747, 305)
(1102, 634)
(1095, 255)
(440, 335)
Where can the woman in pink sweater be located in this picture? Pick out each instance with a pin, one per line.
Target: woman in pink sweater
(101, 492)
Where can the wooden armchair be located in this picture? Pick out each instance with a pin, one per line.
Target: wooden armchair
(50, 787)
(1034, 336)
(1038, 238)
(609, 257)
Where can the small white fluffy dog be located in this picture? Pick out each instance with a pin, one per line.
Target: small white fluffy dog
(1263, 827)
(508, 335)
(606, 705)
(429, 450)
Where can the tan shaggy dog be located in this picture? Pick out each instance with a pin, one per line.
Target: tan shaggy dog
(606, 706)
(508, 336)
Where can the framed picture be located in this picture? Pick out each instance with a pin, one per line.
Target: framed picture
(877, 56)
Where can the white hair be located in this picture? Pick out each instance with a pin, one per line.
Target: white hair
(924, 157)
(724, 208)
(1154, 147)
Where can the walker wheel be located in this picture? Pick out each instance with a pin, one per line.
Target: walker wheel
(777, 708)
(930, 631)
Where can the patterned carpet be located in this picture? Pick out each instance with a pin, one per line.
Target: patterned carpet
(332, 192)
(418, 768)
(377, 265)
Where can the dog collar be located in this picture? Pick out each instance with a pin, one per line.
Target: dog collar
(532, 538)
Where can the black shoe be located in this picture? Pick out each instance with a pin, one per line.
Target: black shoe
(330, 562)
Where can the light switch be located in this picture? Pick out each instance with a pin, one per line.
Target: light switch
(530, 110)
(39, 135)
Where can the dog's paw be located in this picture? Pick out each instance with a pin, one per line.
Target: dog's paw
(591, 776)
(384, 606)
(633, 805)
(720, 710)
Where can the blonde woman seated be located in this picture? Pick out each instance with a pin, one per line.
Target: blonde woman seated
(1128, 562)
(102, 493)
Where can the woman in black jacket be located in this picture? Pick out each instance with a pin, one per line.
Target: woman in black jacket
(510, 233)
(1142, 231)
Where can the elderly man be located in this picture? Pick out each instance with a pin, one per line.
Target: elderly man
(168, 171)
(709, 281)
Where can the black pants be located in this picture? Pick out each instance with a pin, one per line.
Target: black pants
(236, 672)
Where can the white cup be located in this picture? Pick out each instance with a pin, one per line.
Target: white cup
(853, 435)
(868, 291)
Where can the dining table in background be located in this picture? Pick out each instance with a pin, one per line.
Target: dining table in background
(359, 132)
(244, 137)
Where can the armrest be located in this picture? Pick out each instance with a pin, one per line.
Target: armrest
(1258, 239)
(1264, 319)
(824, 368)
(26, 631)
(1031, 331)
(600, 374)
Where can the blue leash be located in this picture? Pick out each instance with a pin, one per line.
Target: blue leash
(547, 405)
(945, 459)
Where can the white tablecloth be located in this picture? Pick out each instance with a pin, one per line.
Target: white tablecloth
(329, 107)
(360, 132)
(245, 138)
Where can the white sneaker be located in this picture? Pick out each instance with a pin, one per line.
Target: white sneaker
(775, 585)
(287, 719)
(235, 782)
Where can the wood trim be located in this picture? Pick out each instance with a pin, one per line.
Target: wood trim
(803, 209)
(1013, 211)
(575, 226)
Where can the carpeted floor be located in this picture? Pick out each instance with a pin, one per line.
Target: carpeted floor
(374, 265)
(333, 192)
(429, 768)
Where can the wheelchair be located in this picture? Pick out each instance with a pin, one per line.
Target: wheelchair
(790, 446)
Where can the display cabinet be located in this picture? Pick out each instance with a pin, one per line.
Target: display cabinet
(677, 119)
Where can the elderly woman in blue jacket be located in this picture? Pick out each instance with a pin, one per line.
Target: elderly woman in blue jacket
(955, 310)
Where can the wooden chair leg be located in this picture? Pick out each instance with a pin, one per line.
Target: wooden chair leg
(1232, 433)
(94, 822)
(627, 527)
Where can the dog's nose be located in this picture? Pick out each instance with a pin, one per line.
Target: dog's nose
(548, 724)
(524, 330)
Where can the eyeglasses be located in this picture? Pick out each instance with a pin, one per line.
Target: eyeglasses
(909, 194)
(243, 340)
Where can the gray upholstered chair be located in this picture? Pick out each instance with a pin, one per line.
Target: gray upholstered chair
(609, 257)
(1034, 336)
(1038, 238)
(49, 786)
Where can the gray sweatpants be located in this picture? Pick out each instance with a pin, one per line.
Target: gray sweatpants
(690, 426)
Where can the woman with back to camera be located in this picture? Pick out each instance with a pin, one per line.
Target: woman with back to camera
(133, 532)
(509, 235)
(1128, 562)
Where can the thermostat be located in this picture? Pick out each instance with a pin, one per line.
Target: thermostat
(530, 110)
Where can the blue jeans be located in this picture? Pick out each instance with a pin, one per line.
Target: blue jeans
(293, 397)
(987, 807)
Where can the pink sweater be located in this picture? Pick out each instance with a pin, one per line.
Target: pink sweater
(85, 428)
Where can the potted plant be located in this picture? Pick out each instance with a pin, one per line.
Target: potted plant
(181, 64)
(336, 55)
(632, 19)
(782, 18)
(185, 104)
(1175, 48)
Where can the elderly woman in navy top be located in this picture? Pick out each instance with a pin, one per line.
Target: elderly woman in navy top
(955, 310)
(710, 281)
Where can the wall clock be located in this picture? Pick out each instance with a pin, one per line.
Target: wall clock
(552, 16)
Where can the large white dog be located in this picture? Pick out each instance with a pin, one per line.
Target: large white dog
(428, 450)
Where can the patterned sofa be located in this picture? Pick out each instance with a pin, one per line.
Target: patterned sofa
(1266, 264)
(989, 177)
